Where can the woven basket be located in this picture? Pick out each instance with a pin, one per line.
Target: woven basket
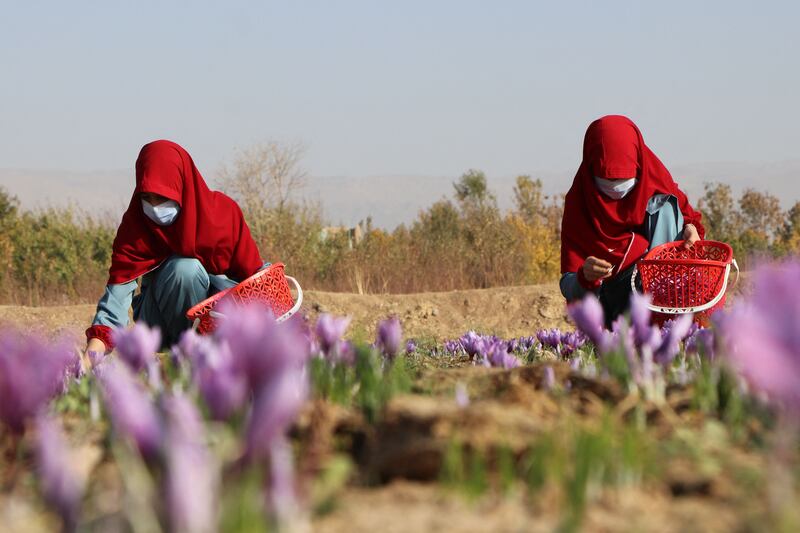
(686, 281)
(269, 286)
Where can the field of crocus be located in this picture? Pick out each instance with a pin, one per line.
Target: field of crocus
(316, 425)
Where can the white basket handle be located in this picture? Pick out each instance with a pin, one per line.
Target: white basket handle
(696, 309)
(284, 317)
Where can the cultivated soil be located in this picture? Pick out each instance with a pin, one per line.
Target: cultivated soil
(505, 311)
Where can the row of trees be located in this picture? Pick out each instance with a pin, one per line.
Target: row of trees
(465, 241)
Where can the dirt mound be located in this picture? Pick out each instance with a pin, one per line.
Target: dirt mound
(504, 311)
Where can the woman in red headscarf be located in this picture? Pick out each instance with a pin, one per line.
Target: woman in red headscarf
(184, 240)
(623, 201)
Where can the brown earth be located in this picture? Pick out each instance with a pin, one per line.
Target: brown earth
(504, 311)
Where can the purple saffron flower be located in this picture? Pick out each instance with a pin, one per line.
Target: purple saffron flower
(191, 481)
(389, 337)
(643, 332)
(329, 331)
(462, 396)
(702, 342)
(282, 494)
(137, 345)
(497, 355)
(276, 406)
(473, 344)
(672, 334)
(61, 487)
(588, 317)
(761, 334)
(549, 337)
(261, 347)
(571, 341)
(132, 412)
(31, 373)
(548, 378)
(411, 346)
(222, 386)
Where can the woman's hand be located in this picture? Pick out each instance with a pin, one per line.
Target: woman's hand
(595, 268)
(690, 236)
(94, 345)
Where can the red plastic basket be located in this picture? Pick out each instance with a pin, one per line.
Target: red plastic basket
(269, 286)
(686, 281)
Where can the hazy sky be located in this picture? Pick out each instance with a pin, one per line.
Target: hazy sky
(408, 87)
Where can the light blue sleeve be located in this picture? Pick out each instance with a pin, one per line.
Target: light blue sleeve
(112, 309)
(571, 287)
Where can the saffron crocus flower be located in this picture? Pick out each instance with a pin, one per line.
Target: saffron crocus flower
(672, 334)
(222, 386)
(191, 480)
(389, 337)
(132, 412)
(276, 405)
(462, 396)
(549, 337)
(472, 343)
(411, 346)
(548, 378)
(61, 487)
(643, 331)
(329, 331)
(571, 341)
(761, 334)
(31, 373)
(137, 345)
(702, 342)
(282, 495)
(261, 347)
(588, 317)
(497, 355)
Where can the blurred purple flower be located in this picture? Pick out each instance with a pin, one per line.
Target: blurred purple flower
(329, 331)
(132, 412)
(191, 480)
(222, 386)
(261, 347)
(276, 406)
(282, 493)
(548, 378)
(571, 341)
(702, 342)
(137, 345)
(498, 356)
(61, 487)
(411, 346)
(462, 396)
(761, 333)
(549, 337)
(672, 333)
(389, 337)
(31, 373)
(643, 332)
(588, 317)
(472, 343)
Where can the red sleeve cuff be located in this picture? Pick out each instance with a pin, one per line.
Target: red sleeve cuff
(585, 283)
(103, 333)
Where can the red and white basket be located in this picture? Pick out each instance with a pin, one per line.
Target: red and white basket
(269, 286)
(686, 281)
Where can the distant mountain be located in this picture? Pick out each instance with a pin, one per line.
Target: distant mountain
(390, 200)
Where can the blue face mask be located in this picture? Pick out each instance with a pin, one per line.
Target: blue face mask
(615, 189)
(162, 214)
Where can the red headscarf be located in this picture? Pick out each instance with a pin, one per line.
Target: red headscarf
(596, 225)
(210, 226)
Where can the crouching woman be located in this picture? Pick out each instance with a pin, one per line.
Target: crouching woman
(185, 241)
(623, 202)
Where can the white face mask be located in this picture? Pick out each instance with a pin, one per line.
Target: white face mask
(162, 214)
(615, 189)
